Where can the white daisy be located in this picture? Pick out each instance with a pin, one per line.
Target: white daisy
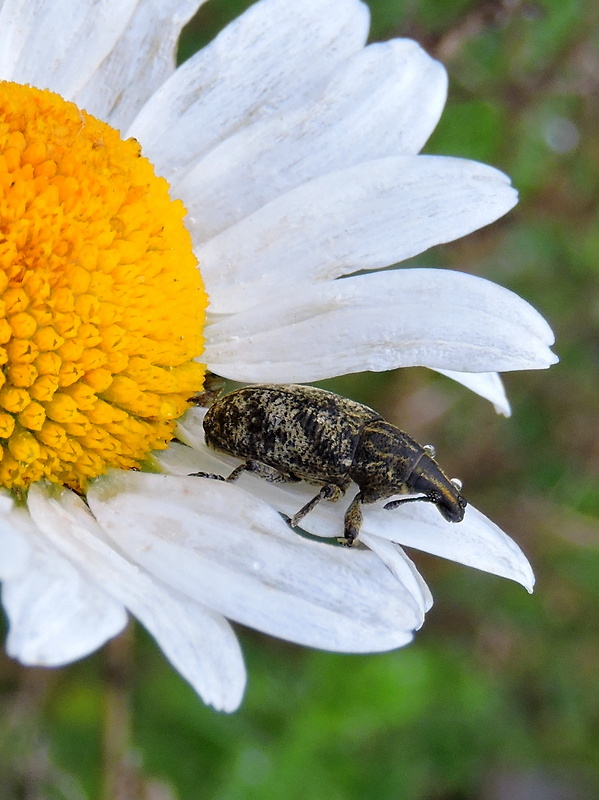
(293, 147)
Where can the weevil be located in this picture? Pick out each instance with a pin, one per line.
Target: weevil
(300, 433)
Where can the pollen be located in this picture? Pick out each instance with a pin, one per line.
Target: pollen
(102, 306)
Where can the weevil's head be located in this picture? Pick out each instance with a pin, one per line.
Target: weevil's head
(388, 461)
(446, 494)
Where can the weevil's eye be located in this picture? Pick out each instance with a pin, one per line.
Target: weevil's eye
(457, 484)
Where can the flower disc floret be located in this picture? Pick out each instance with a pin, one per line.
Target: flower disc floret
(101, 301)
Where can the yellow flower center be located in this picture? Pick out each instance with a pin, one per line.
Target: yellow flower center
(101, 301)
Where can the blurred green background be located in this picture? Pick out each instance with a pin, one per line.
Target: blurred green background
(498, 697)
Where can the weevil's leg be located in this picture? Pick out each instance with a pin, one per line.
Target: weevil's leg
(397, 503)
(269, 474)
(262, 470)
(329, 492)
(352, 522)
(212, 475)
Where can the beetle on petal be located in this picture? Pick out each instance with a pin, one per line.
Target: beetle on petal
(290, 432)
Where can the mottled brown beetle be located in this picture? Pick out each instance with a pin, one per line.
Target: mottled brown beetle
(292, 433)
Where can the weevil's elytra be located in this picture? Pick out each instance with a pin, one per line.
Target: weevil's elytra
(291, 433)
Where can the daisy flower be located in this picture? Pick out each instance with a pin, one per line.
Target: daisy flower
(283, 159)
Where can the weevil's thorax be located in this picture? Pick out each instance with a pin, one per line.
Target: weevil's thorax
(384, 461)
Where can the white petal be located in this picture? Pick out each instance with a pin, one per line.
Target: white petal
(189, 426)
(476, 541)
(486, 384)
(407, 317)
(56, 614)
(214, 542)
(58, 45)
(401, 566)
(140, 61)
(360, 218)
(178, 459)
(15, 538)
(384, 100)
(199, 643)
(271, 57)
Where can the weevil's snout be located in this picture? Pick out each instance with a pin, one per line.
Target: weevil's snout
(450, 508)
(444, 493)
